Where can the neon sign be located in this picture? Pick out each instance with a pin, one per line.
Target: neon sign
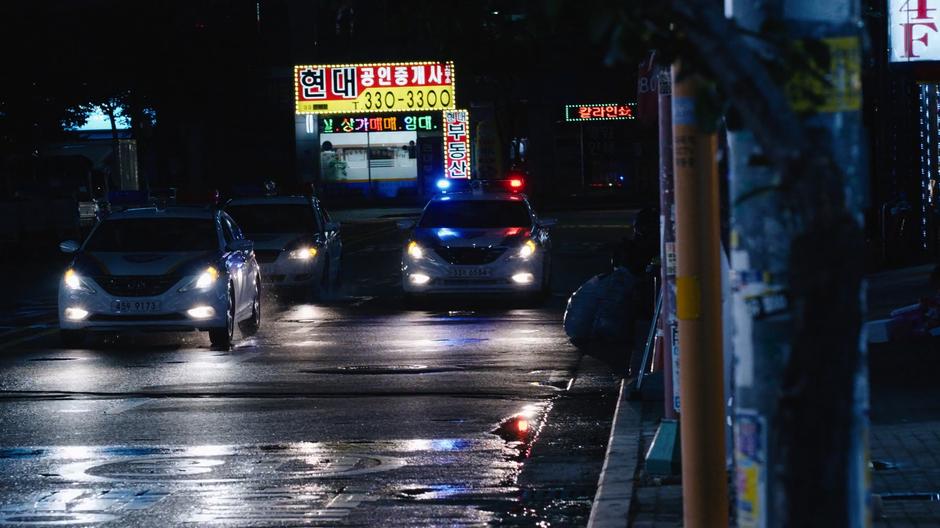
(600, 112)
(374, 88)
(333, 124)
(456, 144)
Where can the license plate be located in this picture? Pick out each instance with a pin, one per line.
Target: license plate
(135, 306)
(469, 272)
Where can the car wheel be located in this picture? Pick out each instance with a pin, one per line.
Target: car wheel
(322, 288)
(72, 338)
(250, 326)
(223, 337)
(338, 280)
(545, 291)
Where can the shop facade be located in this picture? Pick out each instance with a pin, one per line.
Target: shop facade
(379, 131)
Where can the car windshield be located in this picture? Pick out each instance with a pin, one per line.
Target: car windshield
(476, 214)
(154, 234)
(274, 218)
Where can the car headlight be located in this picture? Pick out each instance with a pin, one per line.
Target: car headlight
(303, 253)
(75, 282)
(203, 281)
(415, 251)
(527, 249)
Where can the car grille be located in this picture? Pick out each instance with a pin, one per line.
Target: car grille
(469, 256)
(266, 256)
(470, 282)
(136, 286)
(135, 317)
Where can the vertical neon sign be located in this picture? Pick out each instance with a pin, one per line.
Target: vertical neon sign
(456, 144)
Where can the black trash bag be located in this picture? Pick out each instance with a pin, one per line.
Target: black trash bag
(601, 310)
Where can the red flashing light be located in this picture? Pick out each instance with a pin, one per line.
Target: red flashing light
(515, 183)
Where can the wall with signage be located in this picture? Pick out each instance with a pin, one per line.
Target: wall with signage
(598, 152)
(382, 129)
(374, 88)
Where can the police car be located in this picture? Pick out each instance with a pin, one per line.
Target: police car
(482, 240)
(296, 243)
(150, 268)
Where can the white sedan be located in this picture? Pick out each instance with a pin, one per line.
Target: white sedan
(477, 243)
(174, 269)
(296, 243)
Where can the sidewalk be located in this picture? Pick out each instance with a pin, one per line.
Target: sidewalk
(904, 437)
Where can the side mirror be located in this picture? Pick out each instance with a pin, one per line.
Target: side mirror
(241, 245)
(547, 222)
(332, 226)
(405, 224)
(69, 246)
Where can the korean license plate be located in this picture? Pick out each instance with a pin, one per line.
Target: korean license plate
(135, 306)
(469, 272)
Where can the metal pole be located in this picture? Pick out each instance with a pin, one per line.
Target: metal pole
(668, 248)
(698, 309)
(369, 192)
(581, 135)
(649, 342)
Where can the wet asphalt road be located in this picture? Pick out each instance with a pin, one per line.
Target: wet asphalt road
(356, 411)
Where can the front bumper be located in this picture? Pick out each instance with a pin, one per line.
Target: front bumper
(172, 316)
(495, 277)
(287, 272)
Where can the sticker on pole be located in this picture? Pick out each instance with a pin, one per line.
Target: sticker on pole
(750, 455)
(832, 87)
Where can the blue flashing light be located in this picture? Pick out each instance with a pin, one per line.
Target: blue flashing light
(443, 184)
(445, 232)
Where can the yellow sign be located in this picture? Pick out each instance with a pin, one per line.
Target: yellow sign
(374, 88)
(836, 89)
(375, 100)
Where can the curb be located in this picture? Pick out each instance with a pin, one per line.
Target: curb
(611, 507)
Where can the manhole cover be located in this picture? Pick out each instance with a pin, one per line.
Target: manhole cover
(239, 465)
(54, 519)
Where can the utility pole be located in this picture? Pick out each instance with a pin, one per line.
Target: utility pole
(698, 310)
(796, 250)
(667, 248)
(663, 456)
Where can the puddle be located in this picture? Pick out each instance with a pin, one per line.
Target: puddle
(521, 430)
(382, 369)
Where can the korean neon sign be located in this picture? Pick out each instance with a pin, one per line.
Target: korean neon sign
(456, 144)
(600, 112)
(374, 88)
(333, 124)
